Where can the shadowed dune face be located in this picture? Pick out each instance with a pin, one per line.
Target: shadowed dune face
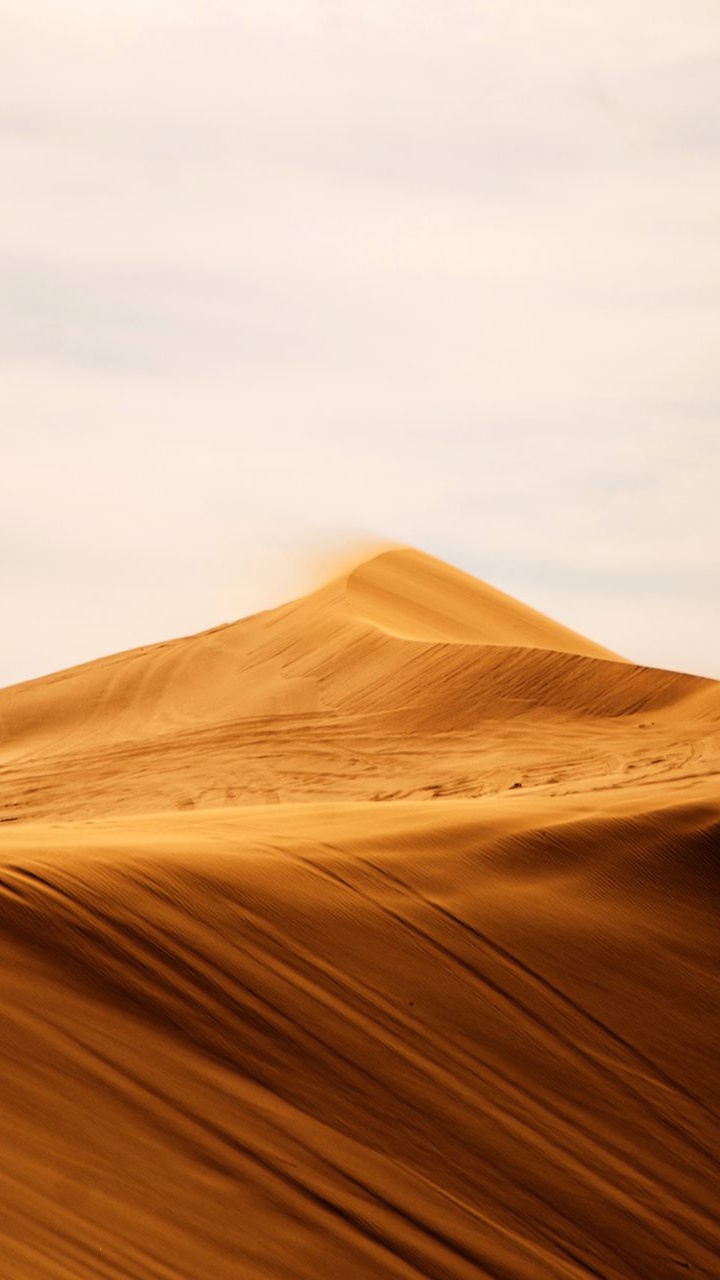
(270, 1027)
(399, 1043)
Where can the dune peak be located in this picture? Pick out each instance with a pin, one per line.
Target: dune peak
(414, 596)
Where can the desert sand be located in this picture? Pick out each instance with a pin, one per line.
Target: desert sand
(374, 935)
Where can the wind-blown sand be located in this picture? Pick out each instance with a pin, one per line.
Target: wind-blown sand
(297, 981)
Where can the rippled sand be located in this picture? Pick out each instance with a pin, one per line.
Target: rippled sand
(372, 936)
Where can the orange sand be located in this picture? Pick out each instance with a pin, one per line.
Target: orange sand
(265, 1012)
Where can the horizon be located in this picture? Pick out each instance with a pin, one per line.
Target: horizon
(284, 278)
(344, 565)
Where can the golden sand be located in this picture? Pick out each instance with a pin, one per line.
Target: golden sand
(375, 936)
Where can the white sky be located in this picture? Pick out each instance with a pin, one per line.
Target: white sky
(282, 276)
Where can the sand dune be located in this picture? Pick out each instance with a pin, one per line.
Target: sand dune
(296, 978)
(292, 704)
(417, 597)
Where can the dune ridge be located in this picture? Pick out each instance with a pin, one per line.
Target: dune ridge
(416, 597)
(375, 933)
(289, 704)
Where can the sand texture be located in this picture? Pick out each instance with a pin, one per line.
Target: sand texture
(372, 936)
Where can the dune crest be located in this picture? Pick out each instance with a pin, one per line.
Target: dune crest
(291, 704)
(373, 935)
(416, 597)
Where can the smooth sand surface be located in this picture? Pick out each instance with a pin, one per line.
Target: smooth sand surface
(376, 936)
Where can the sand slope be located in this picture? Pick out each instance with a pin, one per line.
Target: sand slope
(417, 597)
(296, 980)
(292, 704)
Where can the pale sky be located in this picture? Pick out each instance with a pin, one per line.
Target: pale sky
(280, 277)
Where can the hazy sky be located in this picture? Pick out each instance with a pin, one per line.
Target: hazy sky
(279, 275)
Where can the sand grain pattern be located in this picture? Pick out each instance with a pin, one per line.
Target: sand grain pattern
(298, 981)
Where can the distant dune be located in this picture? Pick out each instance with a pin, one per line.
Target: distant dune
(268, 1013)
(416, 597)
